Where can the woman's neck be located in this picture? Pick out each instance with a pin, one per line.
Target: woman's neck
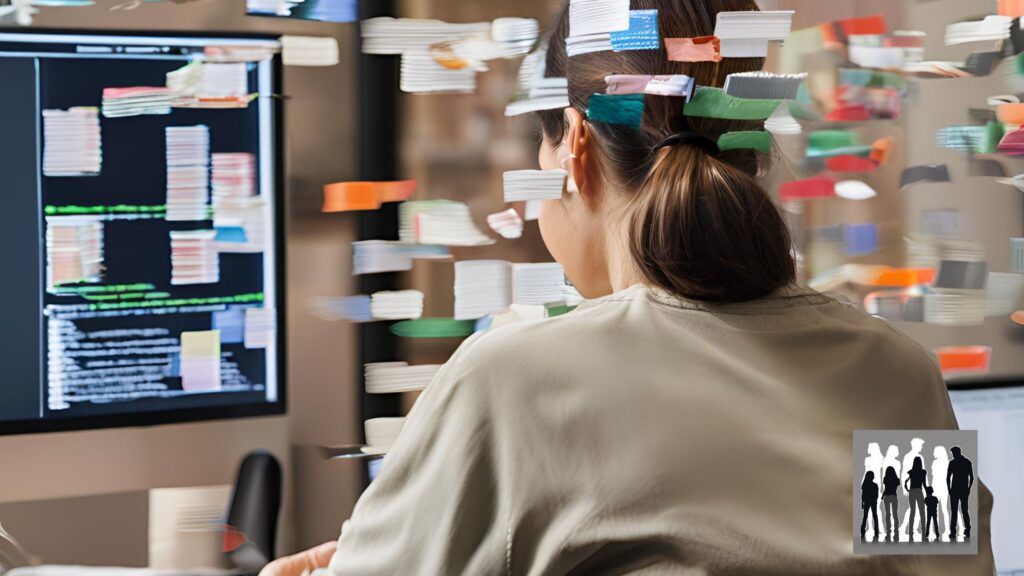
(622, 270)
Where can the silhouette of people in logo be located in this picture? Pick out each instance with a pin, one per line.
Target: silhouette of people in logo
(890, 506)
(916, 445)
(916, 480)
(869, 501)
(873, 464)
(940, 463)
(931, 502)
(959, 481)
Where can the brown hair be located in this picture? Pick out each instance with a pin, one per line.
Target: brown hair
(701, 225)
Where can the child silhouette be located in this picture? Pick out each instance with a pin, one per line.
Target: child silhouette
(931, 503)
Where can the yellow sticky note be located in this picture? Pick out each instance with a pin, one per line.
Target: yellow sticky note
(204, 344)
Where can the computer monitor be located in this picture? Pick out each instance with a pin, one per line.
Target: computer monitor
(996, 410)
(142, 229)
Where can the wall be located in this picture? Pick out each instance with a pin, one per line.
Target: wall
(88, 466)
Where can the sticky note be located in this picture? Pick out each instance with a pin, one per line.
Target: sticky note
(624, 109)
(204, 343)
(924, 173)
(715, 103)
(850, 163)
(433, 328)
(231, 234)
(818, 187)
(829, 139)
(351, 196)
(309, 51)
(1011, 8)
(860, 239)
(1018, 317)
(699, 49)
(642, 33)
(904, 277)
(755, 139)
(953, 359)
(881, 149)
(231, 324)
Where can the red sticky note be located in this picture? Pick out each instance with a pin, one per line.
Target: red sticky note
(818, 187)
(699, 49)
(850, 163)
(848, 113)
(840, 30)
(954, 359)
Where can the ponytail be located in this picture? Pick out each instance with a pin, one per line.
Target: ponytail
(706, 230)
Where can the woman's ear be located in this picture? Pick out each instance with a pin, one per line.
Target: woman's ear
(577, 142)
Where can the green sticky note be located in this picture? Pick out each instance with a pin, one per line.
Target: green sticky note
(1018, 63)
(433, 328)
(993, 134)
(831, 139)
(559, 310)
(625, 109)
(715, 103)
(756, 139)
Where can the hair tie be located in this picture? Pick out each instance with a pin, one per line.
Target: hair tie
(687, 137)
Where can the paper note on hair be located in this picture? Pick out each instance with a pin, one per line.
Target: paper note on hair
(598, 16)
(747, 34)
(763, 85)
(699, 49)
(350, 196)
(641, 35)
(309, 51)
(715, 103)
(433, 328)
(755, 140)
(924, 173)
(818, 187)
(674, 85)
(525, 185)
(624, 109)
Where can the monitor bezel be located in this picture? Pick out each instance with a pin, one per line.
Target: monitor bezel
(206, 413)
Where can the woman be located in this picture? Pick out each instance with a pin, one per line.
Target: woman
(869, 502)
(694, 416)
(890, 504)
(916, 480)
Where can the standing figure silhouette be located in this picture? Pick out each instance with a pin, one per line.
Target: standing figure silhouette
(869, 501)
(916, 445)
(940, 463)
(916, 480)
(873, 464)
(959, 481)
(932, 504)
(890, 506)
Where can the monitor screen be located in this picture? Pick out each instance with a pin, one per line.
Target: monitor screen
(141, 229)
(323, 10)
(997, 413)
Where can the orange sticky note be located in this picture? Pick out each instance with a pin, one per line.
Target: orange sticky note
(881, 149)
(1011, 114)
(699, 49)
(905, 277)
(1018, 317)
(350, 196)
(964, 358)
(1011, 8)
(840, 30)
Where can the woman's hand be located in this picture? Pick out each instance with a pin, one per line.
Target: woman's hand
(301, 563)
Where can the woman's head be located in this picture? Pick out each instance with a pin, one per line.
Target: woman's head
(869, 478)
(890, 475)
(918, 464)
(678, 217)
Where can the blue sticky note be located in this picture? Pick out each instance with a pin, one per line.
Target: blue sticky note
(231, 323)
(231, 234)
(173, 369)
(642, 33)
(625, 109)
(860, 239)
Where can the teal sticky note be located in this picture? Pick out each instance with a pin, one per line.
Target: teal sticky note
(755, 139)
(231, 234)
(715, 103)
(625, 109)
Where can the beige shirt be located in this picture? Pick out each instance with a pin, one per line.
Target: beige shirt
(646, 434)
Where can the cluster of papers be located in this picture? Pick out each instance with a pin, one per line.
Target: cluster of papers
(396, 305)
(210, 85)
(238, 212)
(74, 250)
(137, 101)
(525, 185)
(394, 377)
(72, 143)
(439, 222)
(376, 256)
(188, 172)
(534, 90)
(194, 257)
(488, 287)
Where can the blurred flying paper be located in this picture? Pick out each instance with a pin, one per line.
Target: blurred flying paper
(532, 210)
(756, 140)
(396, 304)
(309, 51)
(715, 103)
(522, 185)
(322, 10)
(818, 187)
(839, 31)
(376, 256)
(537, 283)
(482, 287)
(1018, 317)
(351, 308)
(349, 196)
(930, 173)
(964, 138)
(904, 277)
(854, 190)
(699, 49)
(507, 224)
(990, 29)
(433, 328)
(439, 222)
(782, 123)
(231, 324)
(763, 85)
(849, 163)
(394, 377)
(963, 359)
(421, 73)
(625, 109)
(72, 142)
(587, 17)
(641, 35)
(1002, 99)
(577, 45)
(534, 91)
(675, 85)
(1005, 292)
(860, 239)
(1010, 113)
(876, 56)
(1011, 8)
(1012, 143)
(961, 275)
(747, 34)
(982, 63)
(1017, 255)
(136, 101)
